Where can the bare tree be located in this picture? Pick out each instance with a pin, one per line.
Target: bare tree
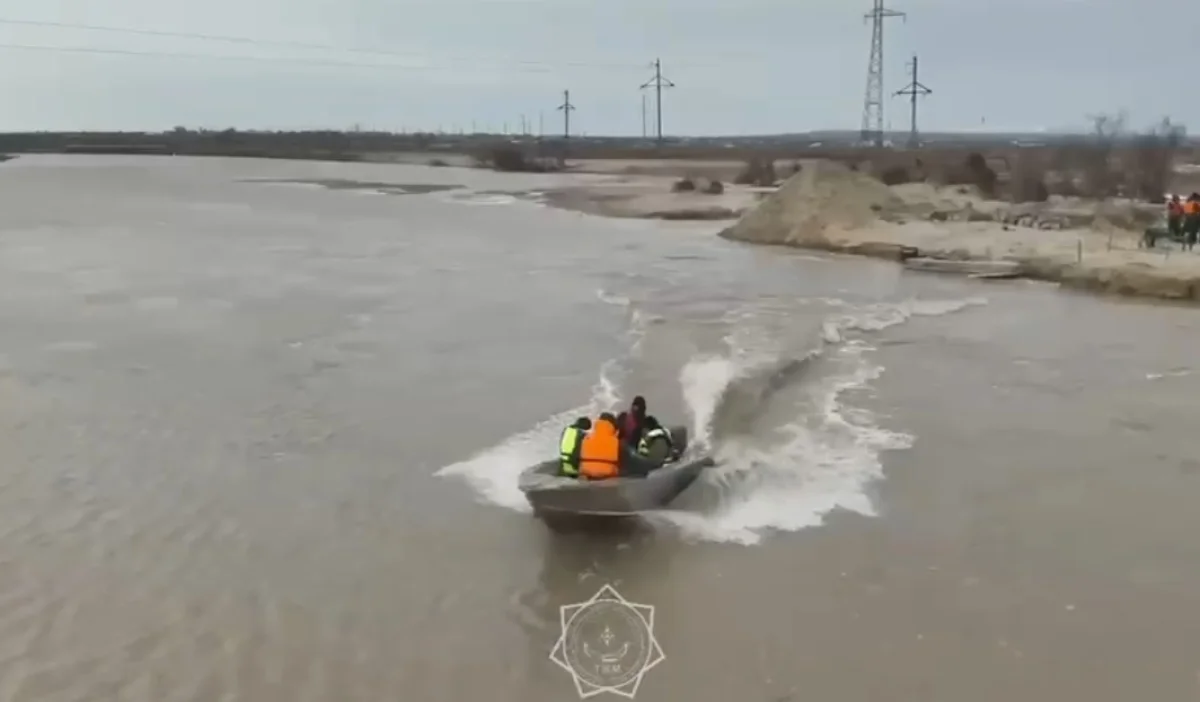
(1096, 159)
(1027, 177)
(1152, 160)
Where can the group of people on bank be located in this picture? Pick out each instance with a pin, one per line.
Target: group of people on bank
(628, 445)
(1183, 219)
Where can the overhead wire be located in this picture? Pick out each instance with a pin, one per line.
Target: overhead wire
(282, 43)
(254, 59)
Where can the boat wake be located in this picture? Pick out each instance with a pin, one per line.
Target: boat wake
(774, 402)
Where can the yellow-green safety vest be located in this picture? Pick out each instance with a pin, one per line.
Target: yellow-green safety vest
(568, 446)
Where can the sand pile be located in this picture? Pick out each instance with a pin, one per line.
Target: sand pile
(815, 206)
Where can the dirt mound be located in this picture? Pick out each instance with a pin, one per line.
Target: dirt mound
(819, 201)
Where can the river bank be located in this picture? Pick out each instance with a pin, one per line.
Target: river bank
(650, 197)
(1092, 246)
(828, 207)
(1105, 263)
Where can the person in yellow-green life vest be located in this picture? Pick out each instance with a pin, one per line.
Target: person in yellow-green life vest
(569, 444)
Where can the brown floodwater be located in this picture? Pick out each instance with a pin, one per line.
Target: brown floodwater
(260, 432)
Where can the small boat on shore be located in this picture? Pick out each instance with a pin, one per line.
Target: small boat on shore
(972, 268)
(554, 495)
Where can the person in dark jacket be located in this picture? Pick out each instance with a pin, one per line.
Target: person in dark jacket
(632, 423)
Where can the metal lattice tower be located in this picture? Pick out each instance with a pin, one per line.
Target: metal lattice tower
(914, 90)
(658, 82)
(566, 108)
(872, 118)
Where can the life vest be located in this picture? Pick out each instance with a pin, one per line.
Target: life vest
(568, 448)
(1174, 208)
(648, 438)
(1191, 207)
(600, 452)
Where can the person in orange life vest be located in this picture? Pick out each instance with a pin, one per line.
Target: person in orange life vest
(1191, 221)
(600, 452)
(1174, 216)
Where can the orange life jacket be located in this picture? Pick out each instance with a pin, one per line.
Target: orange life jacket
(600, 453)
(1191, 207)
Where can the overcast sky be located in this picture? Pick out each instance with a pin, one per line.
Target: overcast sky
(740, 66)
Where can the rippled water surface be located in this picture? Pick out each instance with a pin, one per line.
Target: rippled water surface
(260, 431)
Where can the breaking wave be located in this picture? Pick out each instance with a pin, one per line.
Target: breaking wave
(779, 416)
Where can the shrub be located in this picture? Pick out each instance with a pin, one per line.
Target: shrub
(896, 175)
(757, 171)
(980, 174)
(510, 159)
(1027, 182)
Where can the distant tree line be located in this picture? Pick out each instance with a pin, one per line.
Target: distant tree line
(1110, 161)
(324, 144)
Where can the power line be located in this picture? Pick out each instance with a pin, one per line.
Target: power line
(527, 67)
(914, 90)
(658, 82)
(284, 43)
(180, 35)
(224, 57)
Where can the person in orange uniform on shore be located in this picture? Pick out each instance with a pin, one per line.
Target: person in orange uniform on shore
(600, 453)
(1191, 221)
(1174, 216)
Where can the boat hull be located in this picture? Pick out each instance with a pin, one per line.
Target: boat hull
(551, 494)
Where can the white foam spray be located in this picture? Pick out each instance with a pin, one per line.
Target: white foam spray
(880, 316)
(494, 472)
(815, 467)
(704, 381)
(823, 461)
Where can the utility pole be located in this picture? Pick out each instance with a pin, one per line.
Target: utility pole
(566, 108)
(643, 116)
(914, 90)
(658, 82)
(872, 118)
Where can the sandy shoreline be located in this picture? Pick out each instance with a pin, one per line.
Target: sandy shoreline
(651, 198)
(1076, 258)
(1082, 250)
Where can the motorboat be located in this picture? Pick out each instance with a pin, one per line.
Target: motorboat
(552, 494)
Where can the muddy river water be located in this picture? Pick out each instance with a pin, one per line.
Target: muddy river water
(259, 440)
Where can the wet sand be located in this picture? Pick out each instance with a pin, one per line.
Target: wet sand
(260, 442)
